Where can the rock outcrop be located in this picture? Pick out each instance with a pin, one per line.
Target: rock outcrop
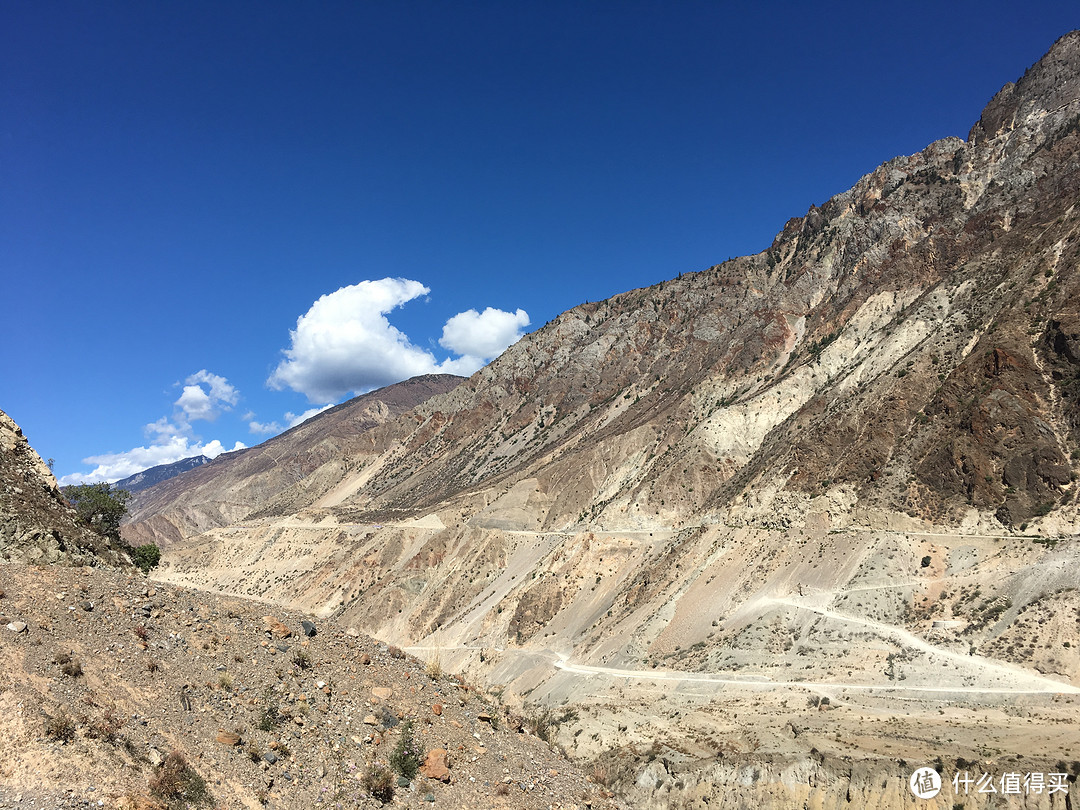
(37, 524)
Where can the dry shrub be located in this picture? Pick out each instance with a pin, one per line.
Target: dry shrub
(434, 668)
(395, 652)
(60, 727)
(68, 665)
(178, 784)
(379, 782)
(107, 727)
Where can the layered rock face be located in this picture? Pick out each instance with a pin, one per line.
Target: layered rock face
(36, 522)
(842, 467)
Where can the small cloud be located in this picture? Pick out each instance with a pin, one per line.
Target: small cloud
(484, 334)
(199, 402)
(263, 428)
(295, 419)
(220, 390)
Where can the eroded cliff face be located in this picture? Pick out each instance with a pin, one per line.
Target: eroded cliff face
(843, 467)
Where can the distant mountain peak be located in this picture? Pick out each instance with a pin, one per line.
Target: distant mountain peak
(162, 472)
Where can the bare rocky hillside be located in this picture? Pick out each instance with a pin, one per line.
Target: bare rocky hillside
(37, 524)
(279, 475)
(839, 473)
(122, 693)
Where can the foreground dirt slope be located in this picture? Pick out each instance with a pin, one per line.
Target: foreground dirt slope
(141, 670)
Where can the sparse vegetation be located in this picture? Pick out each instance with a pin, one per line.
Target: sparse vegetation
(406, 756)
(379, 782)
(178, 785)
(60, 727)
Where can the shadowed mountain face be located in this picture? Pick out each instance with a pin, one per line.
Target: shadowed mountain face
(809, 468)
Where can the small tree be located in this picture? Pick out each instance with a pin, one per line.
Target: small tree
(100, 507)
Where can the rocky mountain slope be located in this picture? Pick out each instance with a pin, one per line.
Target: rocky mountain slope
(840, 470)
(37, 524)
(120, 693)
(278, 475)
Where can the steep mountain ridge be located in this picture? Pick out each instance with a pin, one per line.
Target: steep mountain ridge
(843, 467)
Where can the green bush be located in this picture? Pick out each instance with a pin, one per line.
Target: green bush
(406, 756)
(146, 557)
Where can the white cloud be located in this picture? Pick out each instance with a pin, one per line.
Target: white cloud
(296, 419)
(484, 334)
(344, 343)
(220, 390)
(204, 396)
(207, 403)
(114, 466)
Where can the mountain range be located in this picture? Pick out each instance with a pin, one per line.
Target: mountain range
(804, 487)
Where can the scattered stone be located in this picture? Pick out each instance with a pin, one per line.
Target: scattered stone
(275, 628)
(382, 692)
(308, 627)
(436, 765)
(430, 797)
(370, 720)
(87, 606)
(365, 659)
(436, 709)
(227, 737)
(17, 627)
(403, 781)
(270, 757)
(483, 717)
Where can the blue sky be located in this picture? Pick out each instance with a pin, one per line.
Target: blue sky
(215, 217)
